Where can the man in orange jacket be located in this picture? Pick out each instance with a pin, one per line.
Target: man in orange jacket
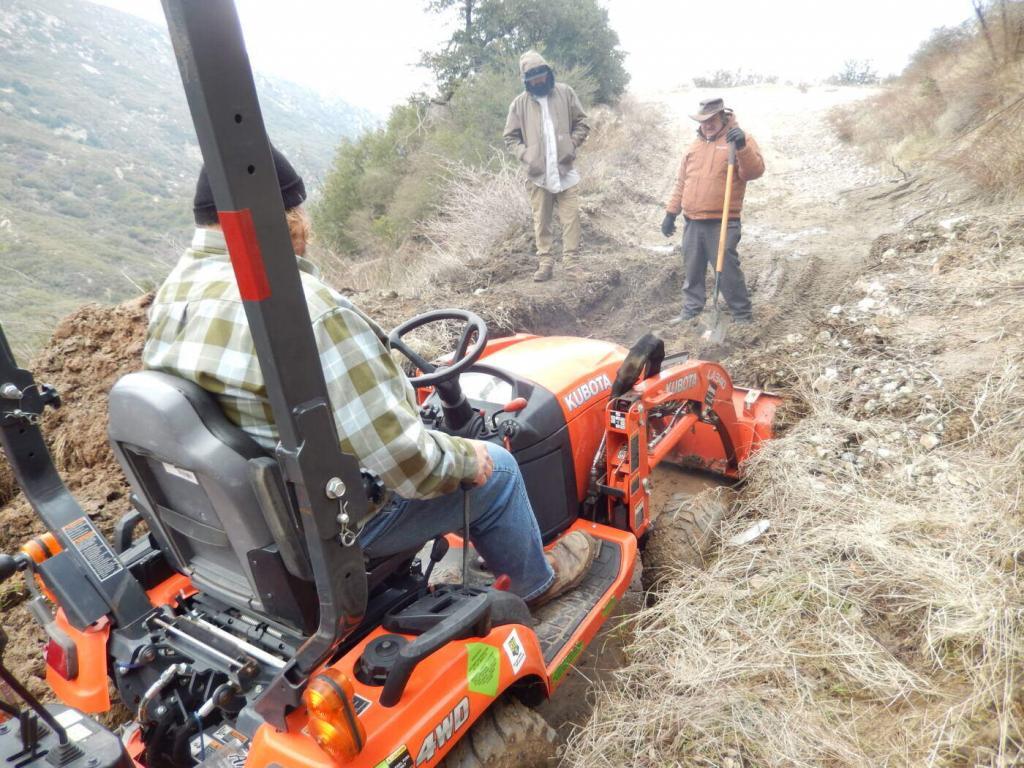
(699, 194)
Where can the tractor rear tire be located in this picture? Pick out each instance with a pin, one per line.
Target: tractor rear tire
(508, 735)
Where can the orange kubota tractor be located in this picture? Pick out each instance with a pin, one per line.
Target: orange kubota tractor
(245, 626)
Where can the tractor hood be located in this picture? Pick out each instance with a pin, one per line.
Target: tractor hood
(577, 372)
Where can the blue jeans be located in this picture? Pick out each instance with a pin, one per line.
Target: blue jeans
(502, 526)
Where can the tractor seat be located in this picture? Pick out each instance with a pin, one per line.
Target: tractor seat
(213, 499)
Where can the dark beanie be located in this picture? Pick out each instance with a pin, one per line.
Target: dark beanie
(293, 191)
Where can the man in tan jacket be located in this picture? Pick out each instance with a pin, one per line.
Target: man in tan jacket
(699, 193)
(546, 125)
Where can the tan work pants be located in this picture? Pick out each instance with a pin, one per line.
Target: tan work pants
(544, 204)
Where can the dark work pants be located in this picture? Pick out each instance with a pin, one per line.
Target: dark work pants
(700, 250)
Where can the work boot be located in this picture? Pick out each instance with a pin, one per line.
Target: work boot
(572, 262)
(684, 318)
(544, 269)
(570, 559)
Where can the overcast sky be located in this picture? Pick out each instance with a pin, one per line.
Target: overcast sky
(366, 52)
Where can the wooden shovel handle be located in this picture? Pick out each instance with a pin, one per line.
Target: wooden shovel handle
(725, 209)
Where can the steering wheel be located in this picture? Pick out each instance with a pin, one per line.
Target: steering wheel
(463, 356)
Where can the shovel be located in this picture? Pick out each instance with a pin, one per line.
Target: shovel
(716, 333)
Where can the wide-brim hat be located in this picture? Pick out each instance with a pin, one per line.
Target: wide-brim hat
(709, 108)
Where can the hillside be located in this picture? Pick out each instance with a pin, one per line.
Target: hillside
(98, 156)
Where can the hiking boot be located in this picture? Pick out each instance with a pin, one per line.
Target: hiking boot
(684, 318)
(574, 266)
(745, 320)
(543, 272)
(570, 559)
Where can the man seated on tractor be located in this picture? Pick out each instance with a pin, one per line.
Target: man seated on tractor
(198, 331)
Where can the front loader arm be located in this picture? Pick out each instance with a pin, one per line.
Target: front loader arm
(689, 414)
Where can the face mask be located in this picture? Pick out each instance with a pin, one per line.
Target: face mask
(544, 88)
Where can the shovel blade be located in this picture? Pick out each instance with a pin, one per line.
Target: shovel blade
(715, 334)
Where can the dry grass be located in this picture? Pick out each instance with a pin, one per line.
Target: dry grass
(626, 146)
(880, 621)
(482, 210)
(958, 103)
(878, 625)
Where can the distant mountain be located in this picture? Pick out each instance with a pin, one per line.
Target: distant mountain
(98, 156)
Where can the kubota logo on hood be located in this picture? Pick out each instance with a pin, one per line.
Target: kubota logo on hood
(584, 392)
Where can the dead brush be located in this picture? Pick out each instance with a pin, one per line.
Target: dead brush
(878, 622)
(625, 150)
(959, 104)
(485, 209)
(482, 209)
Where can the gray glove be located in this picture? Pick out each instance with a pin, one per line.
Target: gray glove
(668, 224)
(737, 136)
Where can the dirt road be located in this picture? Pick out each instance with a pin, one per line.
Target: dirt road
(804, 235)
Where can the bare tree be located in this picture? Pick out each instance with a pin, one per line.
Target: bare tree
(980, 13)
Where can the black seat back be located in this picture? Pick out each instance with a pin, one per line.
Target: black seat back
(212, 497)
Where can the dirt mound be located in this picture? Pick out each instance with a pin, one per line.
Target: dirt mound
(88, 352)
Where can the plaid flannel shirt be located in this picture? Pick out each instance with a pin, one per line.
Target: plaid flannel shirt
(198, 331)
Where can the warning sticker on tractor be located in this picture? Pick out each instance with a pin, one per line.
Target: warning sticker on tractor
(515, 651)
(360, 704)
(78, 732)
(483, 665)
(93, 547)
(709, 397)
(563, 667)
(75, 725)
(609, 606)
(618, 420)
(400, 758)
(225, 747)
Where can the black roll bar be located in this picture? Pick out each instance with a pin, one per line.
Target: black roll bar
(218, 82)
